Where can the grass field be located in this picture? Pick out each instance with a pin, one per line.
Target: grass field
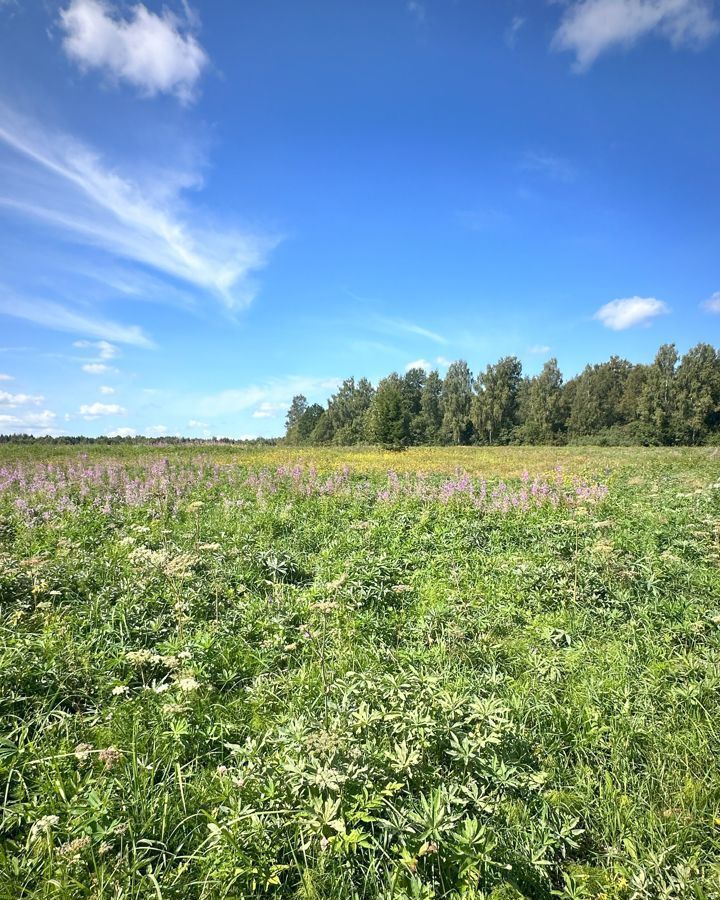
(450, 672)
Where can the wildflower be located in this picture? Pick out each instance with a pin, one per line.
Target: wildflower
(187, 684)
(140, 657)
(82, 753)
(160, 688)
(104, 848)
(221, 770)
(120, 690)
(42, 826)
(109, 757)
(72, 849)
(402, 588)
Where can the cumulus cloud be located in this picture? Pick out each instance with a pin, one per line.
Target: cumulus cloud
(443, 361)
(268, 410)
(194, 423)
(712, 304)
(105, 349)
(156, 431)
(91, 411)
(5, 377)
(96, 368)
(67, 186)
(621, 314)
(28, 422)
(106, 389)
(123, 431)
(591, 27)
(540, 349)
(276, 391)
(419, 364)
(157, 54)
(12, 400)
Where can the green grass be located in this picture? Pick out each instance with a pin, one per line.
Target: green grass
(226, 695)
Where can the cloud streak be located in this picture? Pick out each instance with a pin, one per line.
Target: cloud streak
(58, 318)
(82, 197)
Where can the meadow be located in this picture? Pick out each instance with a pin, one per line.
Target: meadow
(327, 673)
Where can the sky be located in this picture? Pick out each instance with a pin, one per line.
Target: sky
(208, 207)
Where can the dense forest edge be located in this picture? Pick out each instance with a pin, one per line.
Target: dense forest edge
(672, 401)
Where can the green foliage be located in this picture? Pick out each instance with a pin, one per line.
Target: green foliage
(611, 403)
(272, 694)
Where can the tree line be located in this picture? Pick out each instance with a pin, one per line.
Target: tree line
(672, 400)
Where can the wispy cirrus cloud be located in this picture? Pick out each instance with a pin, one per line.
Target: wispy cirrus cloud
(712, 304)
(621, 314)
(157, 54)
(69, 188)
(589, 28)
(400, 326)
(549, 164)
(60, 318)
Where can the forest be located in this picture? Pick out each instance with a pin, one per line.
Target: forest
(673, 400)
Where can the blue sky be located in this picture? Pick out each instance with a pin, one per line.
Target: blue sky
(207, 209)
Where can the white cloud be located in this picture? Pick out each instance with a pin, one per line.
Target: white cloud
(712, 304)
(4, 377)
(590, 27)
(90, 411)
(142, 220)
(105, 349)
(106, 389)
(97, 368)
(156, 431)
(277, 391)
(193, 423)
(13, 400)
(621, 314)
(443, 361)
(540, 349)
(59, 318)
(419, 364)
(124, 431)
(28, 422)
(154, 53)
(268, 410)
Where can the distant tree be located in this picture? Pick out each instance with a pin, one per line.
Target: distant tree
(658, 401)
(308, 422)
(597, 401)
(697, 407)
(412, 390)
(347, 411)
(495, 405)
(389, 420)
(298, 408)
(456, 402)
(542, 406)
(432, 407)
